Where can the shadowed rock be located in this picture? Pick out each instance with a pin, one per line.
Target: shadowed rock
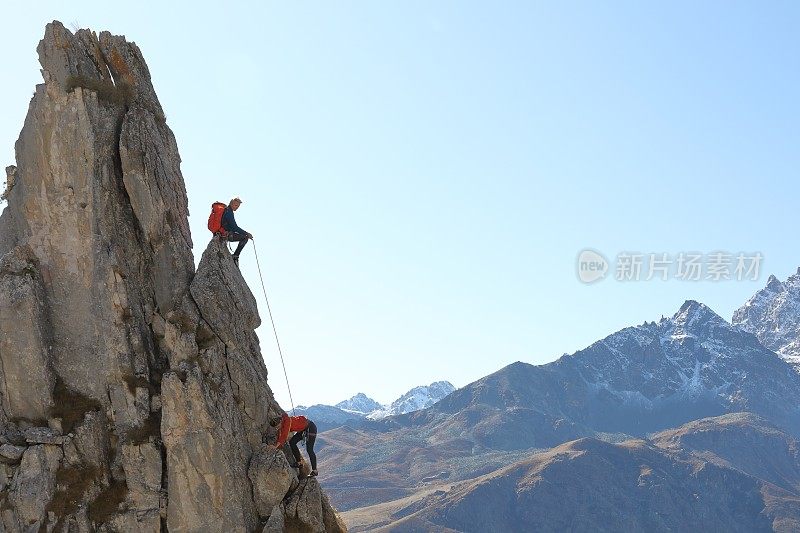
(306, 510)
(272, 478)
(129, 399)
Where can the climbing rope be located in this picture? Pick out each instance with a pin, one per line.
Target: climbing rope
(274, 330)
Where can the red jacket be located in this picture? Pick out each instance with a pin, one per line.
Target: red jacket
(289, 424)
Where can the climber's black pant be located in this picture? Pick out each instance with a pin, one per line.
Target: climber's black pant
(241, 238)
(311, 436)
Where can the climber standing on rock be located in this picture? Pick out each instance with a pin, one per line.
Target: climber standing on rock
(232, 231)
(304, 429)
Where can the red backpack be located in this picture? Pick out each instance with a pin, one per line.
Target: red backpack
(215, 218)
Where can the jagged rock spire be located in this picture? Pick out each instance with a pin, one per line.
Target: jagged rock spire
(133, 394)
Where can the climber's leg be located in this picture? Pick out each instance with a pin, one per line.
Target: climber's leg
(240, 238)
(297, 437)
(311, 437)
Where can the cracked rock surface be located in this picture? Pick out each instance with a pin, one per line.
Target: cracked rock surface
(133, 394)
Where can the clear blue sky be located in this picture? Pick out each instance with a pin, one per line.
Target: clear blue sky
(420, 176)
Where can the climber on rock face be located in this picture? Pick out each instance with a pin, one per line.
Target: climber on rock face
(233, 232)
(303, 428)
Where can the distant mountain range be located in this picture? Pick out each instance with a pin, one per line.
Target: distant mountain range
(730, 473)
(359, 410)
(686, 423)
(417, 398)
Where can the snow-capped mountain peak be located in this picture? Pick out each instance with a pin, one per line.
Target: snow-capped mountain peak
(360, 403)
(417, 398)
(695, 353)
(773, 315)
(774, 284)
(361, 407)
(694, 317)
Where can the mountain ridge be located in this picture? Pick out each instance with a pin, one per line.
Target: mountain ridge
(361, 410)
(773, 315)
(589, 484)
(695, 356)
(630, 384)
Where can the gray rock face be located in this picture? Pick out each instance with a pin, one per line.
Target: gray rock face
(24, 339)
(42, 435)
(10, 453)
(272, 478)
(206, 465)
(306, 510)
(129, 399)
(773, 315)
(34, 485)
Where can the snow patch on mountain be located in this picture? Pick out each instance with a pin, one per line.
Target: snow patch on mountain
(360, 403)
(773, 315)
(417, 398)
(361, 406)
(695, 353)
